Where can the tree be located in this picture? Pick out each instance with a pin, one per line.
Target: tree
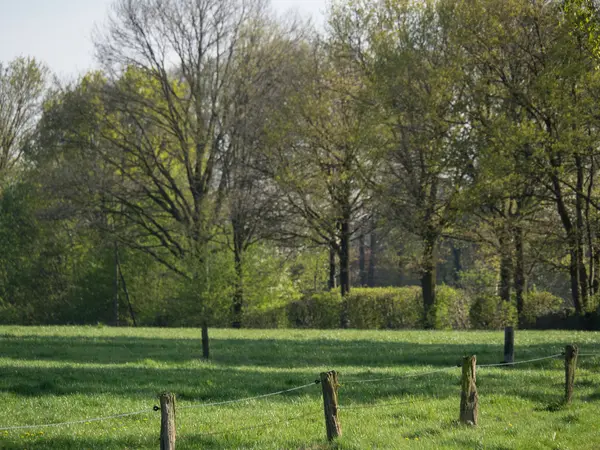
(22, 84)
(327, 150)
(162, 124)
(416, 81)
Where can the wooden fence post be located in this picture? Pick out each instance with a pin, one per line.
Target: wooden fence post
(468, 397)
(570, 364)
(167, 421)
(329, 383)
(509, 345)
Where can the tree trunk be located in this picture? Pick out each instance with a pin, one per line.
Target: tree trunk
(361, 261)
(428, 277)
(596, 258)
(580, 233)
(520, 280)
(505, 267)
(238, 294)
(205, 341)
(126, 292)
(344, 256)
(571, 233)
(331, 284)
(456, 263)
(116, 287)
(372, 258)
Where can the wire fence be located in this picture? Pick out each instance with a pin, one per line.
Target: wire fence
(284, 391)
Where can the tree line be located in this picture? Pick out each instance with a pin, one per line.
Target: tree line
(225, 159)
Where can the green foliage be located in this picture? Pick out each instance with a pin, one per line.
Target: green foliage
(451, 309)
(34, 274)
(267, 286)
(539, 303)
(380, 308)
(490, 312)
(309, 270)
(206, 295)
(317, 310)
(477, 281)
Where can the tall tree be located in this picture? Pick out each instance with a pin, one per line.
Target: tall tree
(22, 84)
(327, 152)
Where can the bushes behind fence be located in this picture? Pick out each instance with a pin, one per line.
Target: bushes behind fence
(402, 308)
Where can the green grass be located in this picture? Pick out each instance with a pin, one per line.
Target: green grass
(56, 374)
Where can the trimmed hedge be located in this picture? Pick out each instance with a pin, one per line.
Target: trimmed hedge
(490, 312)
(537, 304)
(380, 308)
(451, 309)
(317, 310)
(402, 307)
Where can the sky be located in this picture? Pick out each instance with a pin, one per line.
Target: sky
(58, 32)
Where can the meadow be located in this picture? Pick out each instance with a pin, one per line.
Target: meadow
(70, 374)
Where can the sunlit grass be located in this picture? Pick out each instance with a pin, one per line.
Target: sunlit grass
(59, 374)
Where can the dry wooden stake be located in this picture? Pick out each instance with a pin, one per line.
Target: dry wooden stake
(329, 383)
(167, 421)
(509, 345)
(570, 364)
(468, 397)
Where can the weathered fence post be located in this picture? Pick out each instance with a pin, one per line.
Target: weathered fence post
(570, 364)
(329, 383)
(468, 397)
(167, 421)
(509, 345)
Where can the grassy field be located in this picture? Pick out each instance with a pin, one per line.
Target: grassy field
(58, 374)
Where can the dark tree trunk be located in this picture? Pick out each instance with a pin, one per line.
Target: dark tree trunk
(571, 233)
(596, 259)
(505, 267)
(574, 280)
(345, 257)
(331, 283)
(205, 341)
(126, 292)
(428, 276)
(238, 294)
(580, 233)
(362, 273)
(520, 280)
(372, 259)
(116, 287)
(457, 264)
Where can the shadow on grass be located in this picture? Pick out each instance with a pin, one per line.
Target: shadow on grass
(280, 353)
(192, 442)
(240, 368)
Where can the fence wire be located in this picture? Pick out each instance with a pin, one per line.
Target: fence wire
(399, 377)
(245, 399)
(271, 394)
(76, 422)
(520, 362)
(262, 425)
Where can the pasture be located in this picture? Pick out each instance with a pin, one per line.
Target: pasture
(71, 374)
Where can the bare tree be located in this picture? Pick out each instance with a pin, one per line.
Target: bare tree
(170, 110)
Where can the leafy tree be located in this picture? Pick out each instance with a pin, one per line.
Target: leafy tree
(22, 85)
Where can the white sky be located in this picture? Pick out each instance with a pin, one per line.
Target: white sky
(58, 32)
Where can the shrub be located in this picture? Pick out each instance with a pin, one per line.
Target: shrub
(317, 310)
(451, 309)
(490, 312)
(539, 303)
(392, 307)
(276, 317)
